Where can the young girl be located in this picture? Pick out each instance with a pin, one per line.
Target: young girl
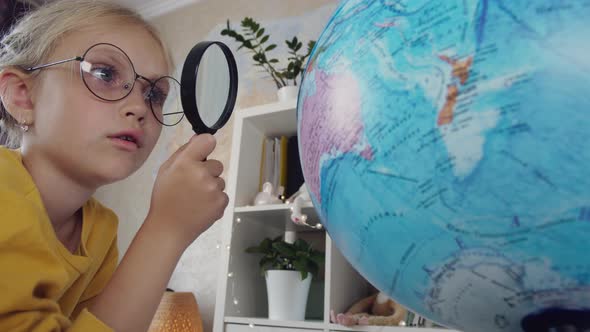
(78, 92)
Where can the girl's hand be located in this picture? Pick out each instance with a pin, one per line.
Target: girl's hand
(188, 193)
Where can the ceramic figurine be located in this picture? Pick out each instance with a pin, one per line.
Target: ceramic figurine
(266, 195)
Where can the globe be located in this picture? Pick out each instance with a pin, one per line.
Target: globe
(445, 147)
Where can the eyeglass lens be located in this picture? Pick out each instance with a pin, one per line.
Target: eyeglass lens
(165, 101)
(109, 74)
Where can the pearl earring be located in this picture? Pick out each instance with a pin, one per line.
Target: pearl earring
(24, 126)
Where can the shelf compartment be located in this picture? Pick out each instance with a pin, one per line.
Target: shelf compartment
(254, 125)
(272, 119)
(246, 294)
(340, 274)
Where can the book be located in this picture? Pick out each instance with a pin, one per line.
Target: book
(294, 178)
(283, 169)
(276, 160)
(267, 163)
(280, 165)
(262, 165)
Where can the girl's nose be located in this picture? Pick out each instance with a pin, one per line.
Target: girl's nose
(136, 104)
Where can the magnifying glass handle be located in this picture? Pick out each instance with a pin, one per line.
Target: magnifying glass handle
(200, 132)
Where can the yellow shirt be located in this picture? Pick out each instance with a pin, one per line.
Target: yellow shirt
(44, 287)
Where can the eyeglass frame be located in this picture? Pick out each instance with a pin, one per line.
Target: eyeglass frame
(137, 76)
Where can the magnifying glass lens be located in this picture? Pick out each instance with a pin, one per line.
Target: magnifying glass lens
(212, 88)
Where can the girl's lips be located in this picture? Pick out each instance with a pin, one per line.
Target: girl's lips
(123, 144)
(133, 135)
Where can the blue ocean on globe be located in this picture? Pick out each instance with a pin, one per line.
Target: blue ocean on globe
(445, 145)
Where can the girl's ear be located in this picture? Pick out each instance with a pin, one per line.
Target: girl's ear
(15, 93)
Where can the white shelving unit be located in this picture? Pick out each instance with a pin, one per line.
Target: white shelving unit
(241, 303)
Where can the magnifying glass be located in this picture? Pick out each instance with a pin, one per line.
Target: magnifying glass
(209, 86)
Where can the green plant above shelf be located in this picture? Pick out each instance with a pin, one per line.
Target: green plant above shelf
(254, 38)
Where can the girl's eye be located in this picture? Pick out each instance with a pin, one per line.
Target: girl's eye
(157, 96)
(105, 74)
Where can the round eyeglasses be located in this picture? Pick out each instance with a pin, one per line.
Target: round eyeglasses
(109, 74)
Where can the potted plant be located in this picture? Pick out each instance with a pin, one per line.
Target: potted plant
(288, 269)
(255, 39)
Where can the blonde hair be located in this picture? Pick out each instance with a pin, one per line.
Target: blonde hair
(36, 35)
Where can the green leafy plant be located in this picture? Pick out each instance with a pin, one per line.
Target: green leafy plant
(255, 39)
(281, 255)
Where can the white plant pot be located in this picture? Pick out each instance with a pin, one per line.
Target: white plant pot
(287, 294)
(288, 93)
